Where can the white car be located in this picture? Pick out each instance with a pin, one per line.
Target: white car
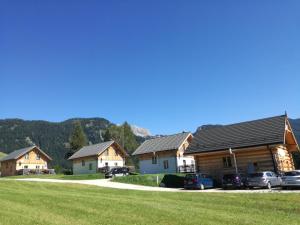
(291, 179)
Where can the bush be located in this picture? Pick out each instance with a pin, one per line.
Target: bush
(164, 180)
(67, 172)
(173, 181)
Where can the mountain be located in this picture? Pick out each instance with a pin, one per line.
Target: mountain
(139, 131)
(52, 137)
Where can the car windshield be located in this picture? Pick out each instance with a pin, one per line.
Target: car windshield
(292, 173)
(256, 175)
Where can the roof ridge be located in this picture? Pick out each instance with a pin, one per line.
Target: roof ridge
(248, 121)
(97, 144)
(166, 136)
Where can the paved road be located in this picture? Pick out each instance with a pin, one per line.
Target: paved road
(109, 184)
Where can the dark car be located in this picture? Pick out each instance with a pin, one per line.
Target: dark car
(117, 172)
(198, 181)
(233, 181)
(266, 179)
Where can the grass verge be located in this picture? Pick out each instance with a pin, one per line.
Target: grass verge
(30, 203)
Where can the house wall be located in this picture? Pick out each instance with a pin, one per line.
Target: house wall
(32, 162)
(79, 168)
(248, 160)
(146, 166)
(111, 157)
(8, 168)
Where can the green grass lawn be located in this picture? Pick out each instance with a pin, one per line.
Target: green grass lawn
(44, 203)
(62, 176)
(170, 180)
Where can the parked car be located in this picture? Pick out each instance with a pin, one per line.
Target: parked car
(291, 179)
(266, 179)
(117, 172)
(198, 181)
(233, 181)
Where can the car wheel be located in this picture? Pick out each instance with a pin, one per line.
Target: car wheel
(202, 187)
(269, 186)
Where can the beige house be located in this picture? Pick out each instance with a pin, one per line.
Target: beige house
(31, 158)
(90, 159)
(247, 147)
(165, 154)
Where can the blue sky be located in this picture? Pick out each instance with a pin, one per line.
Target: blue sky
(166, 65)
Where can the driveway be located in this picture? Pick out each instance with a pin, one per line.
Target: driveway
(109, 184)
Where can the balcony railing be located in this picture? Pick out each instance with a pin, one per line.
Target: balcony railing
(186, 169)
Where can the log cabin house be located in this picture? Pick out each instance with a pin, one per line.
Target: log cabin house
(90, 159)
(259, 145)
(165, 154)
(21, 161)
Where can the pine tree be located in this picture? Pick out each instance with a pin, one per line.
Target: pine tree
(78, 138)
(107, 135)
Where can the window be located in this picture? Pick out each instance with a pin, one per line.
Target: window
(116, 164)
(25, 167)
(38, 157)
(26, 156)
(20, 163)
(106, 164)
(106, 152)
(227, 162)
(100, 160)
(83, 163)
(37, 167)
(90, 166)
(154, 159)
(166, 164)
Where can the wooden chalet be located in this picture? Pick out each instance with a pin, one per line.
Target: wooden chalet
(259, 145)
(26, 160)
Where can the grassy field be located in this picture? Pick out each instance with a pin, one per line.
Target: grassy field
(41, 203)
(171, 180)
(62, 176)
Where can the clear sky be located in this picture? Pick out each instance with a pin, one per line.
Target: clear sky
(165, 65)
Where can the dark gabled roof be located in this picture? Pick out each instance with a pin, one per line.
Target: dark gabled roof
(240, 135)
(93, 150)
(165, 143)
(18, 153)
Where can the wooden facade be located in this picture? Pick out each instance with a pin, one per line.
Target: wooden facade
(263, 158)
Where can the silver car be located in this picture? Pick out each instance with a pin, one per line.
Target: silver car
(291, 179)
(266, 179)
